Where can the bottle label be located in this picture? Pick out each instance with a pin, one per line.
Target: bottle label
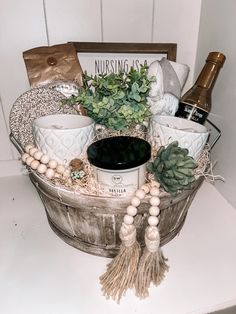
(191, 112)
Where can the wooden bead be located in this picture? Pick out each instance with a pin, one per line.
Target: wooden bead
(154, 210)
(154, 201)
(32, 151)
(145, 188)
(52, 164)
(66, 173)
(49, 173)
(34, 164)
(153, 221)
(128, 220)
(42, 168)
(60, 169)
(24, 157)
(131, 210)
(155, 183)
(155, 191)
(38, 154)
(140, 193)
(28, 147)
(135, 201)
(29, 160)
(44, 159)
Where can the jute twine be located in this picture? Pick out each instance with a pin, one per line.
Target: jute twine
(130, 268)
(121, 271)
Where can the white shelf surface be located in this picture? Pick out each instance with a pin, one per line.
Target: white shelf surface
(40, 274)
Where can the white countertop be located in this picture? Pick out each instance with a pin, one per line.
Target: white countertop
(40, 274)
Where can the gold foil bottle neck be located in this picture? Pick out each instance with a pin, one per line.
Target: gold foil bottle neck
(216, 57)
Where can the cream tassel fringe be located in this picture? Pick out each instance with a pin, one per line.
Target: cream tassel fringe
(152, 265)
(121, 272)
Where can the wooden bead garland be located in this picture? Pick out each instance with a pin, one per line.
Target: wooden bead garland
(152, 265)
(140, 193)
(38, 154)
(154, 201)
(52, 164)
(44, 159)
(135, 201)
(129, 269)
(28, 147)
(34, 164)
(132, 210)
(41, 168)
(32, 151)
(41, 162)
(29, 160)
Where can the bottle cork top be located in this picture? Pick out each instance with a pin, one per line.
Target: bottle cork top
(216, 57)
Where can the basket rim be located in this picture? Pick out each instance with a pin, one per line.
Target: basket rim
(36, 178)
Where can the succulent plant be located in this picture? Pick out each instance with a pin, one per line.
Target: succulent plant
(116, 100)
(173, 168)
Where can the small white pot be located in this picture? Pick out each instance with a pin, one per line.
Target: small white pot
(163, 130)
(63, 137)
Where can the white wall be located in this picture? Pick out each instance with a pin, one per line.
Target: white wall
(217, 33)
(178, 21)
(22, 26)
(26, 24)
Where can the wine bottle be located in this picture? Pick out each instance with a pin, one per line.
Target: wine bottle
(195, 104)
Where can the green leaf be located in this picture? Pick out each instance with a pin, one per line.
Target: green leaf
(95, 110)
(119, 95)
(137, 97)
(150, 167)
(105, 100)
(117, 100)
(143, 89)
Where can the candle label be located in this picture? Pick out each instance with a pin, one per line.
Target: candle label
(120, 182)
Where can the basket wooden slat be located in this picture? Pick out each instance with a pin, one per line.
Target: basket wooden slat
(91, 223)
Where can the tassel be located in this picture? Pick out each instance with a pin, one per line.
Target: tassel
(127, 269)
(121, 272)
(152, 265)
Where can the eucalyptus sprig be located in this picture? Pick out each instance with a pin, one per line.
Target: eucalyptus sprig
(116, 100)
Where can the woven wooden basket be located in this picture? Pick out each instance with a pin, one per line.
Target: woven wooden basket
(91, 223)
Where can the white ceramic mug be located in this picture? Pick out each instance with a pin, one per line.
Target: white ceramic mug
(164, 130)
(63, 137)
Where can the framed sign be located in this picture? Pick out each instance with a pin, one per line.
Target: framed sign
(99, 58)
